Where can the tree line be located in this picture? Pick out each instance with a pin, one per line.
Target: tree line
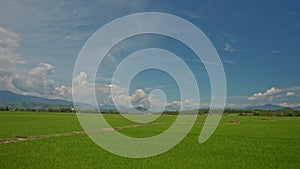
(281, 112)
(64, 109)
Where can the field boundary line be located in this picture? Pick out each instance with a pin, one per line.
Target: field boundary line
(26, 138)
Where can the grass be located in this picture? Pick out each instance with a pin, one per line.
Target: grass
(20, 124)
(257, 142)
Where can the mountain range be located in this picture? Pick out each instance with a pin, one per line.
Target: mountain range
(10, 99)
(7, 97)
(269, 107)
(264, 107)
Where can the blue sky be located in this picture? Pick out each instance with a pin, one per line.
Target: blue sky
(257, 41)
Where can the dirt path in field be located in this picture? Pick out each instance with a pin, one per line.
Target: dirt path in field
(16, 139)
(267, 119)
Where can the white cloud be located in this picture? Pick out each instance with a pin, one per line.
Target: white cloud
(230, 39)
(186, 105)
(268, 94)
(63, 91)
(283, 97)
(81, 79)
(175, 103)
(5, 79)
(229, 61)
(236, 106)
(9, 59)
(228, 47)
(139, 95)
(41, 71)
(290, 93)
(155, 101)
(9, 42)
(83, 87)
(138, 99)
(54, 29)
(36, 81)
(289, 104)
(293, 88)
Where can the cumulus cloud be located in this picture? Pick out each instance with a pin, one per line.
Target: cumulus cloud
(81, 79)
(41, 71)
(268, 94)
(188, 104)
(138, 99)
(282, 95)
(105, 96)
(154, 101)
(103, 93)
(36, 80)
(82, 87)
(63, 91)
(174, 105)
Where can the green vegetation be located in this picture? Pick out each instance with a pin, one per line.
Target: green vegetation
(256, 142)
(280, 112)
(36, 107)
(13, 124)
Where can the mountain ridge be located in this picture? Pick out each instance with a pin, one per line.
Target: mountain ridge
(10, 99)
(265, 107)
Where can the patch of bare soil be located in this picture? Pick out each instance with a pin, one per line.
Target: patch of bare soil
(24, 138)
(234, 122)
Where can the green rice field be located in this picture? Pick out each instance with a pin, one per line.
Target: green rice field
(254, 142)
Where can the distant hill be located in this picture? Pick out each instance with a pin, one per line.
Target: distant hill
(14, 100)
(297, 108)
(264, 107)
(37, 106)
